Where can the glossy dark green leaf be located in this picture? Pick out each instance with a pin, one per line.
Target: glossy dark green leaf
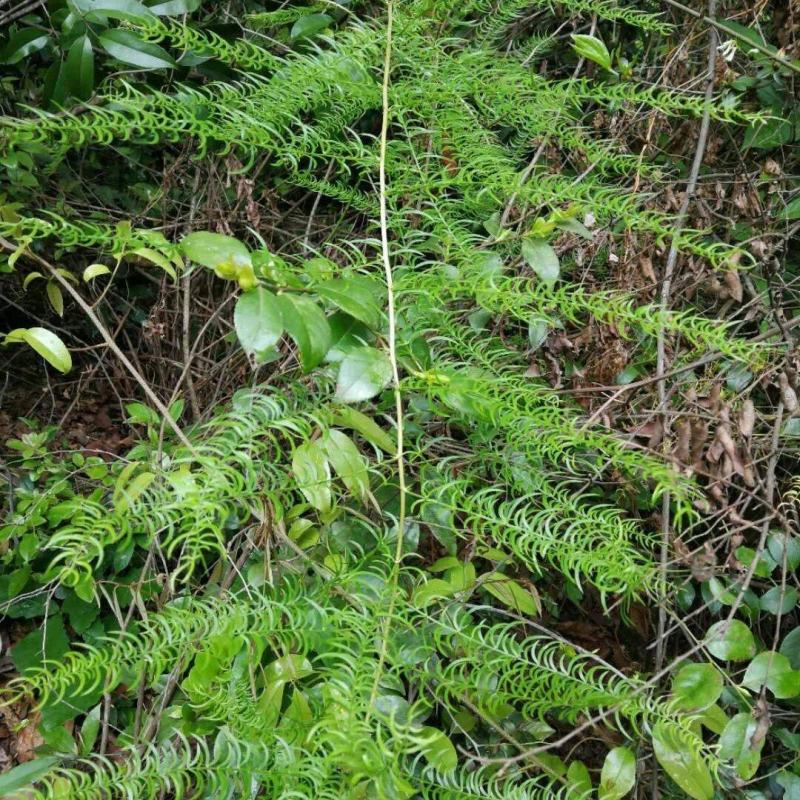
(99, 10)
(739, 744)
(308, 326)
(774, 671)
(358, 296)
(696, 686)
(790, 647)
(173, 7)
(79, 68)
(22, 44)
(127, 47)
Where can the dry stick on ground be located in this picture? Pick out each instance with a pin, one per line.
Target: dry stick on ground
(666, 289)
(101, 329)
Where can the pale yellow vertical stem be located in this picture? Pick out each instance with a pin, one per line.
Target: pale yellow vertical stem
(398, 400)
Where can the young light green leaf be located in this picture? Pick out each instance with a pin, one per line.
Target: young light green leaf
(438, 749)
(730, 641)
(349, 417)
(310, 468)
(357, 296)
(697, 686)
(55, 297)
(30, 278)
(541, 258)
(774, 671)
(45, 343)
(363, 373)
(682, 761)
(511, 594)
(154, 257)
(94, 271)
(432, 590)
(739, 744)
(310, 25)
(127, 47)
(593, 49)
(308, 326)
(212, 249)
(579, 781)
(258, 320)
(347, 462)
(618, 774)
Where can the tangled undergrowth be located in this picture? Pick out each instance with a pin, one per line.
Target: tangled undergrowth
(462, 409)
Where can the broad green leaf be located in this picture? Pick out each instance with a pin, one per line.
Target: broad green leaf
(45, 343)
(79, 68)
(618, 774)
(682, 762)
(25, 774)
(511, 594)
(22, 44)
(127, 47)
(363, 373)
(216, 251)
(127, 494)
(774, 671)
(433, 590)
(46, 643)
(790, 647)
(348, 417)
(592, 48)
(289, 668)
(94, 271)
(173, 7)
(154, 257)
(541, 258)
(730, 641)
(357, 296)
(310, 468)
(127, 10)
(769, 134)
(697, 686)
(347, 462)
(438, 749)
(347, 333)
(310, 25)
(258, 320)
(537, 331)
(308, 326)
(579, 781)
(89, 730)
(739, 744)
(779, 600)
(781, 545)
(791, 210)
